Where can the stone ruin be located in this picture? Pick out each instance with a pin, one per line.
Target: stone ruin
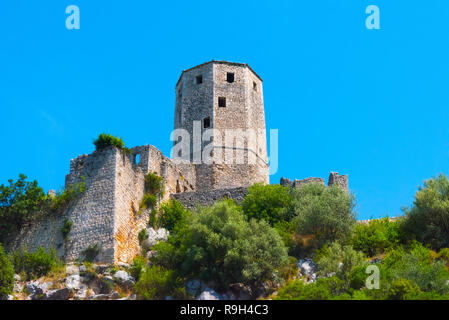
(334, 178)
(219, 95)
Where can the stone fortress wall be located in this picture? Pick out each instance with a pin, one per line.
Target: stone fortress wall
(107, 213)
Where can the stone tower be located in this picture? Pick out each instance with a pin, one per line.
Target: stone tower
(222, 103)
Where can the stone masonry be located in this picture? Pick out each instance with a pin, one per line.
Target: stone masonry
(334, 178)
(217, 95)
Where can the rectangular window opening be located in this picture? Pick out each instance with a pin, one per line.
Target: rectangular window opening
(230, 77)
(254, 86)
(222, 102)
(199, 79)
(206, 123)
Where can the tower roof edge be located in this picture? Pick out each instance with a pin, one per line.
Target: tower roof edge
(219, 62)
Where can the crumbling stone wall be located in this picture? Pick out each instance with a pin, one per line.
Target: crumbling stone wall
(334, 178)
(206, 198)
(93, 213)
(128, 219)
(45, 232)
(341, 181)
(108, 212)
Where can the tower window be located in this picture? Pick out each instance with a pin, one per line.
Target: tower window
(254, 86)
(206, 123)
(230, 77)
(222, 102)
(199, 79)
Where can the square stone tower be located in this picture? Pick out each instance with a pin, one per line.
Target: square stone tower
(220, 105)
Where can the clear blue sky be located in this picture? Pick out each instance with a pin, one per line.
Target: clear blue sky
(373, 104)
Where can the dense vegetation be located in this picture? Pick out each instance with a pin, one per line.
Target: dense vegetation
(6, 275)
(23, 201)
(259, 242)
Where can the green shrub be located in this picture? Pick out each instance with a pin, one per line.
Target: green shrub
(34, 264)
(376, 236)
(153, 184)
(142, 236)
(339, 260)
(170, 214)
(149, 201)
(64, 198)
(66, 228)
(417, 264)
(402, 289)
(105, 140)
(428, 220)
(444, 255)
(290, 270)
(217, 243)
(269, 202)
(90, 253)
(6, 275)
(357, 277)
(156, 283)
(137, 266)
(325, 212)
(322, 289)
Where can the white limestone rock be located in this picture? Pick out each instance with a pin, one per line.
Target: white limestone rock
(73, 282)
(123, 278)
(71, 270)
(209, 294)
(154, 236)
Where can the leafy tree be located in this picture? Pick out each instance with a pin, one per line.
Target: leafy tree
(269, 202)
(218, 244)
(6, 275)
(428, 220)
(376, 236)
(20, 201)
(325, 212)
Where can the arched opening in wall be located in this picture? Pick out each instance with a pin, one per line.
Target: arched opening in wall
(178, 187)
(137, 158)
